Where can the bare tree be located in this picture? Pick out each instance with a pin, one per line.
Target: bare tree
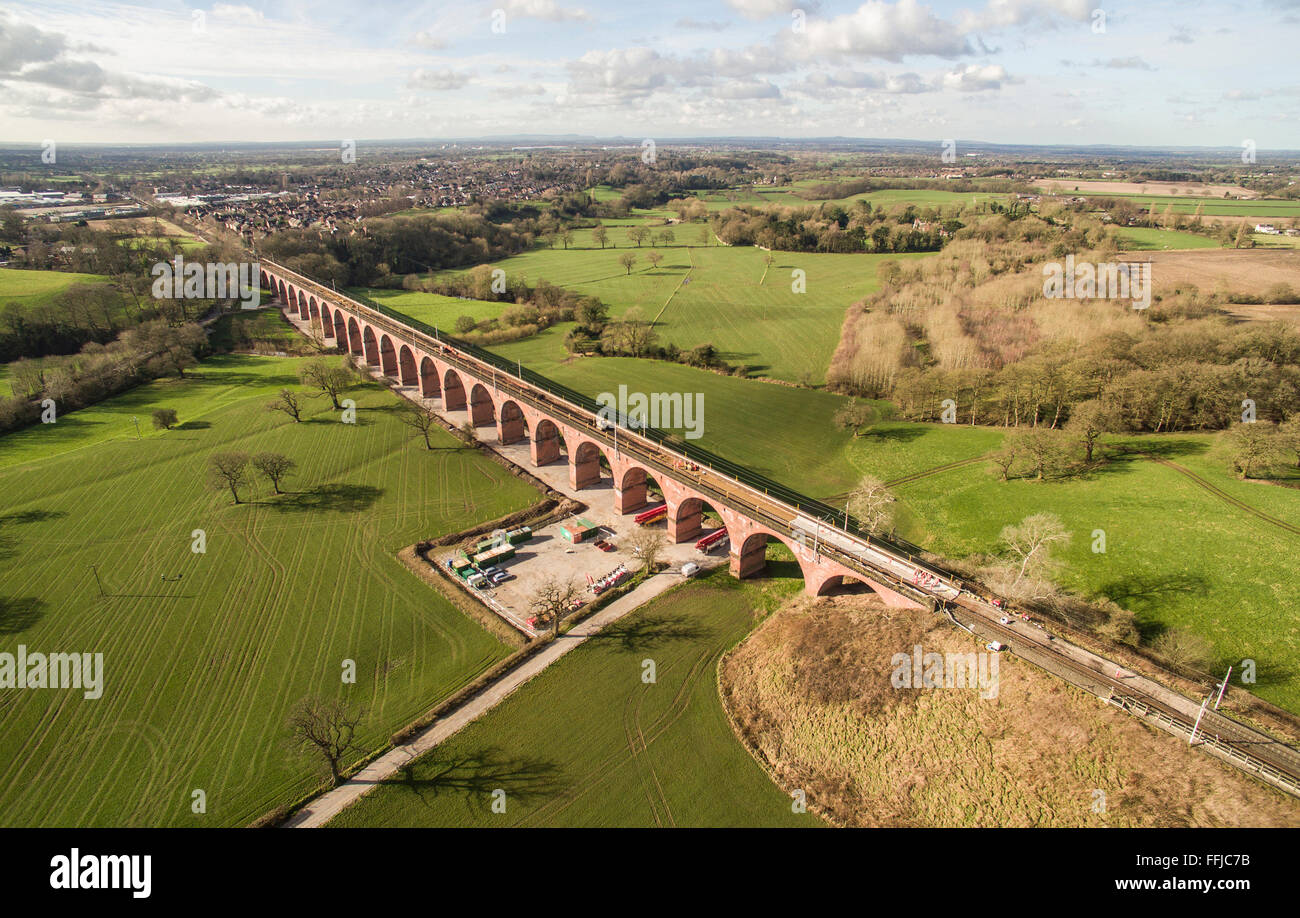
(648, 544)
(421, 420)
(164, 418)
(288, 402)
(331, 381)
(1030, 543)
(600, 234)
(1088, 421)
(872, 503)
(554, 600)
(469, 432)
(327, 727)
(229, 470)
(627, 260)
(655, 259)
(274, 466)
(1004, 459)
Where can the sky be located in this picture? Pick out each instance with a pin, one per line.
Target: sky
(1149, 73)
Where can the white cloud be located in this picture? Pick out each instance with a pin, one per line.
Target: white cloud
(884, 31)
(547, 10)
(975, 78)
(762, 9)
(437, 80)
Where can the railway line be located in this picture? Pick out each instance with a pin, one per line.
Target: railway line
(828, 532)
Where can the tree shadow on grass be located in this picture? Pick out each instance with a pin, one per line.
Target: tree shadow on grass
(339, 498)
(651, 631)
(474, 776)
(898, 434)
(18, 613)
(1170, 448)
(1145, 594)
(7, 541)
(193, 425)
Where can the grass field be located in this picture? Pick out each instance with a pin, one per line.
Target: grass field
(739, 415)
(721, 295)
(1212, 207)
(1143, 239)
(264, 324)
(36, 288)
(588, 743)
(205, 653)
(1176, 555)
(437, 310)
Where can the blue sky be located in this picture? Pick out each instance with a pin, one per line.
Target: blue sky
(1008, 71)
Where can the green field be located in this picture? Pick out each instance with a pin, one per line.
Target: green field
(1213, 207)
(1176, 555)
(36, 288)
(205, 653)
(1143, 239)
(587, 743)
(721, 295)
(433, 308)
(263, 324)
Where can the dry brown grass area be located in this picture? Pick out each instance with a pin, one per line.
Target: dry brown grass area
(1231, 270)
(1281, 313)
(810, 692)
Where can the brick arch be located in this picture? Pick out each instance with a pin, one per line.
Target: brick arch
(631, 488)
(302, 304)
(454, 397)
(482, 410)
(356, 342)
(584, 463)
(284, 296)
(370, 346)
(387, 356)
(341, 330)
(749, 551)
(313, 308)
(406, 366)
(547, 442)
(430, 378)
(686, 517)
(512, 426)
(265, 280)
(824, 584)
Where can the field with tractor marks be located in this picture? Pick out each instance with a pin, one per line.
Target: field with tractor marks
(205, 653)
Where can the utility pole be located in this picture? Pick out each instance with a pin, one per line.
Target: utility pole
(1223, 688)
(1195, 726)
(95, 569)
(137, 426)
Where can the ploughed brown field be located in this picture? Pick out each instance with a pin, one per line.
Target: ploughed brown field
(1234, 270)
(1182, 189)
(810, 692)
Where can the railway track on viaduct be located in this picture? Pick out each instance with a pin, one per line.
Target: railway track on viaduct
(836, 535)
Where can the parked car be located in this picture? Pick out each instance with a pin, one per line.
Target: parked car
(501, 577)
